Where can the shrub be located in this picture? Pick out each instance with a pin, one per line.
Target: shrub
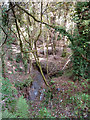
(24, 83)
(21, 110)
(8, 94)
(7, 114)
(44, 113)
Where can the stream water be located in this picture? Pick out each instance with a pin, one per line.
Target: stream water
(36, 88)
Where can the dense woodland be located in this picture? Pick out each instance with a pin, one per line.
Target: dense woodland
(45, 60)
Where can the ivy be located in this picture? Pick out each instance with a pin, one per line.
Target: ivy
(81, 45)
(79, 41)
(4, 16)
(8, 94)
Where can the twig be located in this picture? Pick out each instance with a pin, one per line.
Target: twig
(10, 8)
(51, 26)
(85, 58)
(3, 100)
(67, 62)
(5, 34)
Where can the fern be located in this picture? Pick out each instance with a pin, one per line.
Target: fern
(22, 108)
(8, 94)
(44, 113)
(7, 114)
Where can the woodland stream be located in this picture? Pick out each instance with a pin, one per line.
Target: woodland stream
(36, 88)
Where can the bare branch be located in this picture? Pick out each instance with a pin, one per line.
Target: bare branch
(17, 27)
(51, 26)
(5, 34)
(34, 17)
(85, 58)
(67, 62)
(10, 8)
(3, 30)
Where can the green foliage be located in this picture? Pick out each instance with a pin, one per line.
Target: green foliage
(80, 65)
(48, 95)
(84, 84)
(64, 54)
(81, 46)
(19, 68)
(18, 58)
(23, 59)
(44, 113)
(24, 83)
(52, 82)
(4, 16)
(10, 39)
(60, 73)
(79, 41)
(58, 38)
(64, 33)
(22, 108)
(81, 103)
(79, 98)
(7, 114)
(8, 94)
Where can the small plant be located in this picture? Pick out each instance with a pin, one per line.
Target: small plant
(44, 113)
(19, 58)
(8, 94)
(18, 68)
(81, 103)
(59, 73)
(71, 82)
(24, 83)
(52, 82)
(7, 114)
(64, 54)
(20, 112)
(53, 87)
(48, 96)
(22, 108)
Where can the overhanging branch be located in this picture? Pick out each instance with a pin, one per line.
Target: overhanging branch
(5, 34)
(57, 28)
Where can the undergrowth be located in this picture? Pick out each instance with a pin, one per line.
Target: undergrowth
(20, 111)
(12, 107)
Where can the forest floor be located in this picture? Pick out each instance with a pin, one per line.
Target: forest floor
(64, 100)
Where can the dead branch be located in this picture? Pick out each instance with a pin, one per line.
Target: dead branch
(5, 34)
(85, 58)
